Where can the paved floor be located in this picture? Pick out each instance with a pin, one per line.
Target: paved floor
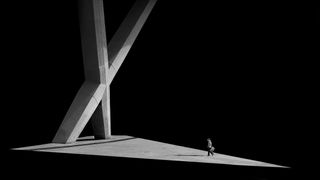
(132, 147)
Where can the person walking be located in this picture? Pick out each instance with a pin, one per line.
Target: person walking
(210, 147)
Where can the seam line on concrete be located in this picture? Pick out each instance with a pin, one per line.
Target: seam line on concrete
(95, 99)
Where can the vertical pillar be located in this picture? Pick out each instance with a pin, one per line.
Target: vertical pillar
(95, 88)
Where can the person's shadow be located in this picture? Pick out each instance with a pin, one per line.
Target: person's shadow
(195, 155)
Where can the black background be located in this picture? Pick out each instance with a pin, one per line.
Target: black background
(231, 72)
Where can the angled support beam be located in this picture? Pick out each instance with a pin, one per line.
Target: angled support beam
(128, 31)
(79, 113)
(93, 98)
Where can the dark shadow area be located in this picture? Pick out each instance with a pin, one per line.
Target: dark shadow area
(219, 71)
(318, 16)
(43, 51)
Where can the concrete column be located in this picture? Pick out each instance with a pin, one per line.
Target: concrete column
(95, 89)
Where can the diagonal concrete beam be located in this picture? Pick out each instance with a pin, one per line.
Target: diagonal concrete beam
(80, 111)
(122, 41)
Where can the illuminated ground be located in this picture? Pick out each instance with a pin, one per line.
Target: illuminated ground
(132, 147)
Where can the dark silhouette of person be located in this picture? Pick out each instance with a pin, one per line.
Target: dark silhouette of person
(210, 147)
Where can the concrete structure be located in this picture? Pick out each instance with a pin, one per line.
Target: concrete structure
(101, 63)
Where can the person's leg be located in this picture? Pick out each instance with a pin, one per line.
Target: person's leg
(211, 151)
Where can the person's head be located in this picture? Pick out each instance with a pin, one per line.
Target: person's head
(208, 139)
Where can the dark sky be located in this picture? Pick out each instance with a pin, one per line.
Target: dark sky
(223, 71)
(317, 15)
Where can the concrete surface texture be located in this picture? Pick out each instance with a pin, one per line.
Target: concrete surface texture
(132, 147)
